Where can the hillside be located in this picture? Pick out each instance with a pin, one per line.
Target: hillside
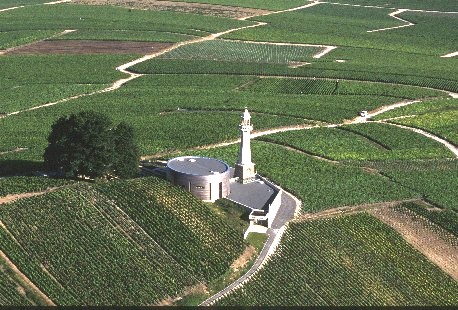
(355, 111)
(132, 242)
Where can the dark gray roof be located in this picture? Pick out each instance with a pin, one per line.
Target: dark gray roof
(256, 195)
(197, 165)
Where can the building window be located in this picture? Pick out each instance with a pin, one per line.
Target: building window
(200, 187)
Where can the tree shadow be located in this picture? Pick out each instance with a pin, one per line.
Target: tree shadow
(13, 167)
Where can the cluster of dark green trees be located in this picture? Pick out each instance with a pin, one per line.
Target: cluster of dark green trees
(87, 144)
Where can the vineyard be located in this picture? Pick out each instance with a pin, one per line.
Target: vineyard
(146, 242)
(29, 81)
(340, 25)
(370, 141)
(243, 52)
(9, 295)
(442, 124)
(430, 106)
(337, 87)
(360, 64)
(14, 38)
(445, 218)
(318, 184)
(434, 179)
(18, 185)
(110, 18)
(350, 260)
(154, 230)
(412, 4)
(126, 35)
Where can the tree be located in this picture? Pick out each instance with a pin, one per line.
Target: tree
(127, 154)
(86, 144)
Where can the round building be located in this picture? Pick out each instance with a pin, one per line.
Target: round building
(206, 178)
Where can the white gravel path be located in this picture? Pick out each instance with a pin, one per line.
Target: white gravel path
(13, 8)
(393, 14)
(450, 55)
(447, 144)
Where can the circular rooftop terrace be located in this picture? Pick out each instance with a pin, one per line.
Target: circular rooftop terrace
(198, 166)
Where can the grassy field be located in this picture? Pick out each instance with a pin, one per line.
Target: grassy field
(129, 253)
(348, 260)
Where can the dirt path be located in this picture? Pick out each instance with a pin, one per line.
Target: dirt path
(16, 150)
(14, 197)
(24, 282)
(269, 248)
(13, 8)
(307, 126)
(23, 6)
(437, 245)
(393, 14)
(283, 11)
(391, 107)
(384, 7)
(351, 209)
(450, 55)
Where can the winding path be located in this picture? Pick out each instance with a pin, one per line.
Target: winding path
(131, 76)
(444, 142)
(290, 207)
(393, 14)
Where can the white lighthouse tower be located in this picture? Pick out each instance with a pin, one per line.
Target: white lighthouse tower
(244, 169)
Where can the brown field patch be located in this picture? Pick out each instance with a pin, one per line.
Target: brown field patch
(198, 8)
(69, 47)
(247, 255)
(438, 245)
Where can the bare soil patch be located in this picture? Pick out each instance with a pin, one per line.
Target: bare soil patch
(246, 256)
(297, 64)
(90, 47)
(14, 197)
(351, 209)
(198, 8)
(436, 244)
(200, 288)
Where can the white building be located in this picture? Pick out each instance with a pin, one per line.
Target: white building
(244, 169)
